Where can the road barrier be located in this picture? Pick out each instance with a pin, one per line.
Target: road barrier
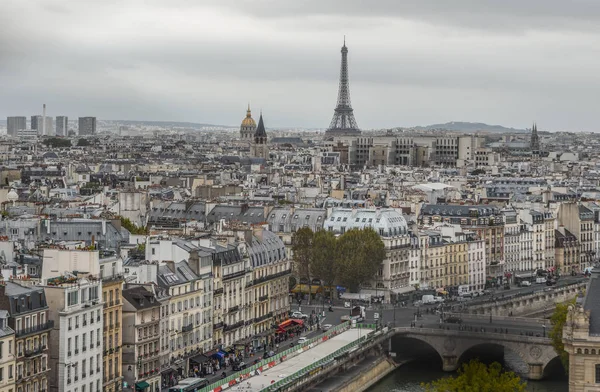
(325, 361)
(268, 363)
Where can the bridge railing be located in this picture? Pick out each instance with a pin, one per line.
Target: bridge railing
(486, 317)
(329, 359)
(519, 296)
(479, 333)
(250, 371)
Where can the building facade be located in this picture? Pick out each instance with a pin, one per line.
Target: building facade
(7, 354)
(15, 124)
(76, 345)
(28, 310)
(271, 270)
(141, 339)
(112, 286)
(87, 126)
(486, 222)
(62, 126)
(394, 275)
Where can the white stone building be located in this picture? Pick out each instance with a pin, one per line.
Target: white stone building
(75, 306)
(394, 275)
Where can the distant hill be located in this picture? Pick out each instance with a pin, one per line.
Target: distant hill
(470, 127)
(175, 124)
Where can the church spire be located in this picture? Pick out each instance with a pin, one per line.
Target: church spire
(535, 140)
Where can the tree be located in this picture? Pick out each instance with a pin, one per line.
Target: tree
(302, 243)
(360, 253)
(56, 142)
(83, 143)
(324, 263)
(133, 229)
(558, 320)
(475, 376)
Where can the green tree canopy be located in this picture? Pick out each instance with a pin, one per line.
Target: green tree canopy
(133, 229)
(360, 254)
(324, 263)
(475, 376)
(558, 320)
(56, 142)
(302, 248)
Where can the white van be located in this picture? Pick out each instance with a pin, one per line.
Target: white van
(525, 283)
(428, 299)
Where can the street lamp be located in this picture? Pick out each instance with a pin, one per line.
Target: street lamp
(544, 327)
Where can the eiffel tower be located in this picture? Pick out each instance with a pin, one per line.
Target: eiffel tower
(343, 122)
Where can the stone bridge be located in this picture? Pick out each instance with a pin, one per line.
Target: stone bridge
(533, 303)
(451, 345)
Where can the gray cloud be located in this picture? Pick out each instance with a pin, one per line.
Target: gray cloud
(411, 62)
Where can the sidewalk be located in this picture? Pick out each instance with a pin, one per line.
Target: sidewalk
(257, 356)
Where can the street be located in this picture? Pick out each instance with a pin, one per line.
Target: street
(249, 361)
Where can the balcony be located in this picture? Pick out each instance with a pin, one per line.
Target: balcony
(187, 328)
(34, 352)
(234, 326)
(273, 276)
(218, 325)
(263, 298)
(234, 275)
(264, 317)
(36, 329)
(234, 309)
(218, 291)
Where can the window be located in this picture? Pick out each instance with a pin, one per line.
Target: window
(597, 374)
(72, 298)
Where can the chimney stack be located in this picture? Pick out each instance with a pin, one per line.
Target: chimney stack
(43, 121)
(171, 265)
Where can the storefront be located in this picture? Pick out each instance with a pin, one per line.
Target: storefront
(290, 326)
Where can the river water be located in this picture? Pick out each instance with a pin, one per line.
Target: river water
(408, 378)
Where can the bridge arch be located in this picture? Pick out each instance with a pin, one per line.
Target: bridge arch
(451, 345)
(554, 368)
(494, 352)
(414, 348)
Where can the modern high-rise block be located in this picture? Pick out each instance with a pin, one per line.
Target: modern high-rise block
(14, 124)
(37, 123)
(35, 120)
(62, 126)
(87, 126)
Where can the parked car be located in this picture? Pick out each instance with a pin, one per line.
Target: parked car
(299, 315)
(239, 366)
(302, 340)
(525, 283)
(326, 327)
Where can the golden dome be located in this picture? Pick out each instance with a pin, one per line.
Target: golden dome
(249, 121)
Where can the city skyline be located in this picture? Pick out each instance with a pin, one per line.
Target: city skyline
(411, 63)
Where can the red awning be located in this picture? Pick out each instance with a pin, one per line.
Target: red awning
(289, 324)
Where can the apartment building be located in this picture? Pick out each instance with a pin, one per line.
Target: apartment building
(271, 270)
(141, 340)
(75, 307)
(28, 317)
(393, 278)
(579, 220)
(485, 221)
(7, 354)
(232, 313)
(111, 269)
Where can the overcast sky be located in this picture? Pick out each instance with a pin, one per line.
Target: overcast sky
(412, 62)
